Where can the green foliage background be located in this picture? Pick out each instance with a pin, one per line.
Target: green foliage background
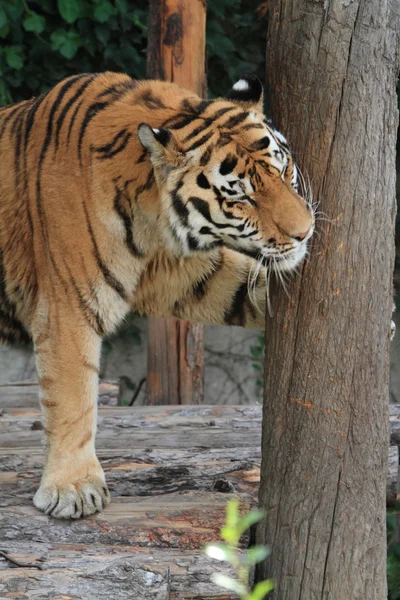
(44, 41)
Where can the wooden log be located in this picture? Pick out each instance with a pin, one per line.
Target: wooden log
(176, 52)
(154, 448)
(177, 43)
(166, 427)
(101, 572)
(167, 503)
(170, 470)
(26, 393)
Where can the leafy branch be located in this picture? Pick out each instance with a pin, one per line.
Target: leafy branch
(241, 560)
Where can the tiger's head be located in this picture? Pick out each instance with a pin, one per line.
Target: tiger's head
(227, 177)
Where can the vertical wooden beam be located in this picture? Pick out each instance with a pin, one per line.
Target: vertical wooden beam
(176, 52)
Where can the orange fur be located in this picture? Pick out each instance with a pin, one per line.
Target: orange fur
(97, 220)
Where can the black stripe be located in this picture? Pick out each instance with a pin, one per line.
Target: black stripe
(108, 276)
(192, 242)
(228, 164)
(31, 119)
(72, 121)
(127, 221)
(17, 152)
(221, 112)
(247, 235)
(142, 157)
(178, 121)
(261, 144)
(235, 120)
(14, 112)
(14, 337)
(92, 111)
(150, 101)
(113, 148)
(204, 209)
(69, 104)
(203, 105)
(179, 207)
(200, 141)
(119, 89)
(251, 126)
(147, 185)
(92, 317)
(13, 328)
(236, 314)
(205, 157)
(200, 289)
(199, 129)
(49, 133)
(202, 181)
(223, 140)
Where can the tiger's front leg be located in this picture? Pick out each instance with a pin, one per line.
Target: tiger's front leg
(67, 351)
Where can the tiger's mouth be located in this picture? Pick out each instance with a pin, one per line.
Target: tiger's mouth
(287, 261)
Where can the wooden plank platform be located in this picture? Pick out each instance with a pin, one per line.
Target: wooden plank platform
(170, 469)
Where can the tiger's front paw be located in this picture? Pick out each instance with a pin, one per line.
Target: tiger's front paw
(73, 500)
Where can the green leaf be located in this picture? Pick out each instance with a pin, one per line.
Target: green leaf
(14, 9)
(255, 555)
(35, 23)
(70, 10)
(4, 31)
(102, 33)
(261, 590)
(256, 351)
(232, 512)
(3, 18)
(66, 42)
(103, 11)
(14, 57)
(254, 516)
(229, 583)
(219, 551)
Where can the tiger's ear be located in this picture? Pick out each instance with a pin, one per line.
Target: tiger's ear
(248, 92)
(160, 144)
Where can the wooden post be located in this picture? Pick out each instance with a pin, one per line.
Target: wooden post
(176, 52)
(332, 69)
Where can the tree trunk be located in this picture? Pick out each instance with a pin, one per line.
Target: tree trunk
(176, 52)
(332, 69)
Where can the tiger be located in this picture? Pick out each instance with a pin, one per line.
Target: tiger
(121, 195)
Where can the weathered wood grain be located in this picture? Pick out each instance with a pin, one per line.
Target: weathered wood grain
(104, 572)
(26, 393)
(169, 490)
(170, 470)
(176, 52)
(210, 427)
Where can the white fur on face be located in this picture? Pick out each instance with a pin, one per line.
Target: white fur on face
(280, 137)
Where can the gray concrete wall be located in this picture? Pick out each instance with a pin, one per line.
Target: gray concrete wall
(231, 373)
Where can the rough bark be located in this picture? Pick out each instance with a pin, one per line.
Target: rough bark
(176, 52)
(332, 69)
